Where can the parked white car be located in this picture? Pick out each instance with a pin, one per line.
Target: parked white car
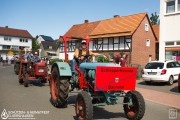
(161, 71)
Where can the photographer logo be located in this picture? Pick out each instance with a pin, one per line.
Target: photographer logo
(172, 113)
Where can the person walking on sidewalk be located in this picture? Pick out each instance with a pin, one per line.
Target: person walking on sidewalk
(1, 61)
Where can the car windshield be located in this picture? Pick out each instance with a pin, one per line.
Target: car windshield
(154, 65)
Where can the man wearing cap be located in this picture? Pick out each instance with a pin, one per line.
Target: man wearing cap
(80, 53)
(36, 58)
(28, 55)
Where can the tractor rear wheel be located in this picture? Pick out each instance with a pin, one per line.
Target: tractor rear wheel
(59, 89)
(16, 68)
(137, 110)
(83, 106)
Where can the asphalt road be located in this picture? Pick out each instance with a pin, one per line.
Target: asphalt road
(36, 97)
(162, 87)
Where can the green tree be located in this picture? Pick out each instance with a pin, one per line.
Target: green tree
(35, 45)
(154, 19)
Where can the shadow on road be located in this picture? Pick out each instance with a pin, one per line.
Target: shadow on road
(153, 83)
(101, 113)
(174, 89)
(37, 83)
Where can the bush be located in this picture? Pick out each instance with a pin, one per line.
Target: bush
(55, 60)
(100, 58)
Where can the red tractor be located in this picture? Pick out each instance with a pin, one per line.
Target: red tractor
(100, 84)
(28, 70)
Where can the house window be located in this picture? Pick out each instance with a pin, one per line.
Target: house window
(170, 6)
(169, 43)
(146, 27)
(147, 42)
(111, 41)
(6, 38)
(23, 40)
(178, 43)
(6, 47)
(121, 40)
(179, 5)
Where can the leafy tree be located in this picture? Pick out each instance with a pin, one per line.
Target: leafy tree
(35, 45)
(154, 19)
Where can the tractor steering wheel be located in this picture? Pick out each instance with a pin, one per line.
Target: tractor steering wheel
(87, 58)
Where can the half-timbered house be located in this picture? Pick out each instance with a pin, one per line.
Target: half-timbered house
(132, 34)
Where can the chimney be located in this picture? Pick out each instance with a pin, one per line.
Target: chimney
(86, 21)
(116, 16)
(6, 26)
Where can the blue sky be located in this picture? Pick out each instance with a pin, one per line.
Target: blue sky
(55, 17)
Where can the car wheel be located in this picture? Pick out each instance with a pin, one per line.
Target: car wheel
(179, 89)
(171, 80)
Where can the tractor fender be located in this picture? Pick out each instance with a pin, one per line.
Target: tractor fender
(63, 68)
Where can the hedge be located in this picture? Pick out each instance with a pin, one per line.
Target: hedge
(100, 58)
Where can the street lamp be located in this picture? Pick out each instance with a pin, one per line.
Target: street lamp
(40, 52)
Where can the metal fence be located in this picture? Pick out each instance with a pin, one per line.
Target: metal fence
(139, 71)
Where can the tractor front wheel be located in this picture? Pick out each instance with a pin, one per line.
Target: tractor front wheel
(20, 80)
(26, 82)
(83, 106)
(59, 89)
(137, 110)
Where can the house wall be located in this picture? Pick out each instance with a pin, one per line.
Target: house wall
(42, 50)
(141, 52)
(15, 42)
(70, 55)
(40, 39)
(169, 30)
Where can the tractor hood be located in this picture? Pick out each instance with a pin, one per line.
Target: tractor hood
(93, 65)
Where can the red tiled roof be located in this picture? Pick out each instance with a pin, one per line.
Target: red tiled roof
(15, 32)
(156, 31)
(119, 25)
(82, 30)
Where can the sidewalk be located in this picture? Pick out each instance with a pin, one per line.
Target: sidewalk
(160, 97)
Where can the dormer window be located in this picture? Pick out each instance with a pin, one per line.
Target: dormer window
(146, 27)
(50, 47)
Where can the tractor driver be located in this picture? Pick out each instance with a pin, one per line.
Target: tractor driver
(28, 56)
(36, 58)
(80, 53)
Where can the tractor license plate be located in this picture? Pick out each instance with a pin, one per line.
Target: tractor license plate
(109, 78)
(40, 70)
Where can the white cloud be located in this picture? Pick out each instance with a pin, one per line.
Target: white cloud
(146, 9)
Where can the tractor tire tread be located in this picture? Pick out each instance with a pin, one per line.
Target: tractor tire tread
(88, 104)
(63, 91)
(141, 106)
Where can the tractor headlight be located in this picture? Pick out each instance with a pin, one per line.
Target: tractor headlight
(40, 70)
